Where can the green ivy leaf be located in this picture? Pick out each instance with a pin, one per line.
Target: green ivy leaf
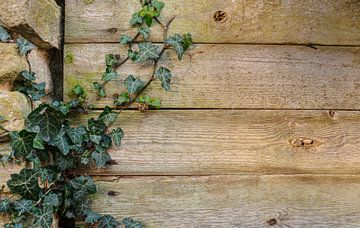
(61, 141)
(108, 76)
(108, 116)
(25, 184)
(164, 75)
(83, 186)
(96, 127)
(100, 156)
(158, 5)
(100, 90)
(28, 75)
(92, 217)
(133, 55)
(187, 41)
(22, 143)
(4, 35)
(52, 201)
(36, 91)
(78, 90)
(43, 217)
(64, 162)
(77, 135)
(125, 39)
(133, 85)
(117, 135)
(130, 223)
(136, 20)
(48, 119)
(38, 143)
(24, 206)
(95, 139)
(107, 221)
(176, 42)
(123, 98)
(144, 32)
(153, 102)
(24, 46)
(47, 174)
(147, 51)
(5, 205)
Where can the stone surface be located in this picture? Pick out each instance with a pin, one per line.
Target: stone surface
(40, 65)
(14, 107)
(36, 20)
(11, 64)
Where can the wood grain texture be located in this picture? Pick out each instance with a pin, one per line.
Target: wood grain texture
(233, 76)
(234, 201)
(235, 142)
(247, 21)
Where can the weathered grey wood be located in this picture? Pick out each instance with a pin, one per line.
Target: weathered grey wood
(247, 21)
(235, 142)
(233, 201)
(233, 76)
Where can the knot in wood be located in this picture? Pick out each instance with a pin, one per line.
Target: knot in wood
(220, 16)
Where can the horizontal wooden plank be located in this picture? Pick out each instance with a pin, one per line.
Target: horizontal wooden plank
(241, 21)
(235, 142)
(233, 201)
(233, 76)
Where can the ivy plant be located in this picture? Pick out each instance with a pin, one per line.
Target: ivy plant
(50, 188)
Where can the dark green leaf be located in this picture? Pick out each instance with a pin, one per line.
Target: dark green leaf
(78, 90)
(125, 39)
(130, 223)
(51, 200)
(110, 60)
(136, 20)
(158, 5)
(24, 46)
(133, 85)
(5, 205)
(47, 174)
(4, 35)
(108, 76)
(107, 221)
(108, 116)
(24, 206)
(147, 51)
(77, 135)
(92, 217)
(96, 127)
(144, 32)
(133, 55)
(164, 75)
(187, 41)
(43, 217)
(22, 143)
(61, 141)
(48, 119)
(64, 162)
(28, 75)
(95, 139)
(116, 135)
(83, 186)
(177, 42)
(25, 184)
(123, 98)
(101, 157)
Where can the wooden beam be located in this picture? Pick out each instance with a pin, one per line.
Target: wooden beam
(325, 22)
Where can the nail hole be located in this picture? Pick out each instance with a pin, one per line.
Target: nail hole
(271, 222)
(112, 30)
(112, 193)
(220, 16)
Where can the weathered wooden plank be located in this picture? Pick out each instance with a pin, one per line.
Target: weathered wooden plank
(235, 142)
(234, 201)
(246, 21)
(233, 76)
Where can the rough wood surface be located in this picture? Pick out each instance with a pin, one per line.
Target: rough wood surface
(234, 201)
(235, 142)
(326, 22)
(233, 76)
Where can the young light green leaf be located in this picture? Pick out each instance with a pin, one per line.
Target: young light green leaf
(125, 39)
(4, 35)
(38, 143)
(187, 41)
(25, 184)
(147, 51)
(78, 90)
(153, 102)
(164, 75)
(24, 46)
(133, 84)
(117, 135)
(107, 221)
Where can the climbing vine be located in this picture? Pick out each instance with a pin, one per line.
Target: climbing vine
(55, 148)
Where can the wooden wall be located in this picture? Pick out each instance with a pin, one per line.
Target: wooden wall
(261, 127)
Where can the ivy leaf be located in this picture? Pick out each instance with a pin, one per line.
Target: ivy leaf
(136, 20)
(123, 98)
(100, 90)
(48, 119)
(108, 116)
(25, 184)
(28, 75)
(116, 135)
(83, 186)
(22, 143)
(92, 217)
(24, 206)
(38, 143)
(130, 223)
(64, 162)
(164, 75)
(147, 51)
(5, 205)
(100, 156)
(47, 174)
(43, 217)
(77, 135)
(107, 221)
(133, 55)
(125, 39)
(51, 201)
(24, 46)
(111, 60)
(4, 35)
(133, 85)
(36, 91)
(82, 206)
(96, 127)
(61, 141)
(176, 42)
(187, 41)
(78, 90)
(95, 139)
(154, 102)
(158, 5)
(144, 32)
(108, 76)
